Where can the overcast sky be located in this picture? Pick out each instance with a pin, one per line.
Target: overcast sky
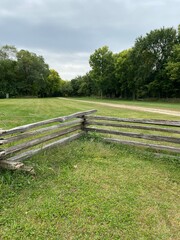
(66, 32)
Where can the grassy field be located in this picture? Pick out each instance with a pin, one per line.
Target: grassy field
(87, 189)
(15, 112)
(148, 104)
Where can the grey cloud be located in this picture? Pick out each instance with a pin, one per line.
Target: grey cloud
(69, 65)
(68, 27)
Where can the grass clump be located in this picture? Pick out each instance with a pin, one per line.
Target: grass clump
(91, 190)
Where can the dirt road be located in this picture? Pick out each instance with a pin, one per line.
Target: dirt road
(136, 108)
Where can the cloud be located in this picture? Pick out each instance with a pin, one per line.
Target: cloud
(68, 65)
(72, 28)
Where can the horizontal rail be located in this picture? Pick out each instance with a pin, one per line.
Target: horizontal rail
(31, 153)
(10, 157)
(37, 141)
(42, 130)
(132, 126)
(2, 142)
(134, 143)
(136, 135)
(133, 120)
(42, 138)
(25, 128)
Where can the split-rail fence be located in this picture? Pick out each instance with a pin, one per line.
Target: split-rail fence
(20, 143)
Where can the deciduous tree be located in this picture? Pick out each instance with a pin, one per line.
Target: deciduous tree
(103, 71)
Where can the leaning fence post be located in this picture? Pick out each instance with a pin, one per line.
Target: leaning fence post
(83, 124)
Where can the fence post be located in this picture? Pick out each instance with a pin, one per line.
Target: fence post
(1, 143)
(83, 124)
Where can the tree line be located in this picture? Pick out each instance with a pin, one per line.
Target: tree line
(23, 73)
(150, 69)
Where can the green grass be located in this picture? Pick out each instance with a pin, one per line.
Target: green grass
(16, 112)
(148, 104)
(87, 189)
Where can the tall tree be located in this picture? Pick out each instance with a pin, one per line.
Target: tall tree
(152, 53)
(83, 85)
(103, 71)
(122, 72)
(173, 70)
(66, 89)
(54, 83)
(8, 67)
(33, 73)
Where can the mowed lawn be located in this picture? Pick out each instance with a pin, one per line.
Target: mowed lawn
(88, 189)
(148, 104)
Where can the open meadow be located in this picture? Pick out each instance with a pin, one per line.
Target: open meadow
(89, 189)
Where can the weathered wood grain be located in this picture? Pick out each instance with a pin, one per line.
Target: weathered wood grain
(27, 127)
(30, 153)
(134, 120)
(2, 153)
(132, 126)
(16, 166)
(136, 135)
(37, 141)
(2, 142)
(42, 130)
(134, 143)
(10, 165)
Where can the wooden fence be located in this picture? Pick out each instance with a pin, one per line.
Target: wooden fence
(20, 143)
(129, 128)
(37, 137)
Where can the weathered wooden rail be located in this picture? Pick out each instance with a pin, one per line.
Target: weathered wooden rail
(137, 128)
(20, 143)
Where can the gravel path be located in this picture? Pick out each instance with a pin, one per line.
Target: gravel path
(143, 109)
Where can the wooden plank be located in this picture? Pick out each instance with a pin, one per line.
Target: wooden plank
(2, 153)
(37, 141)
(132, 126)
(136, 135)
(134, 143)
(42, 130)
(27, 127)
(31, 153)
(2, 141)
(80, 114)
(16, 166)
(134, 120)
(10, 165)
